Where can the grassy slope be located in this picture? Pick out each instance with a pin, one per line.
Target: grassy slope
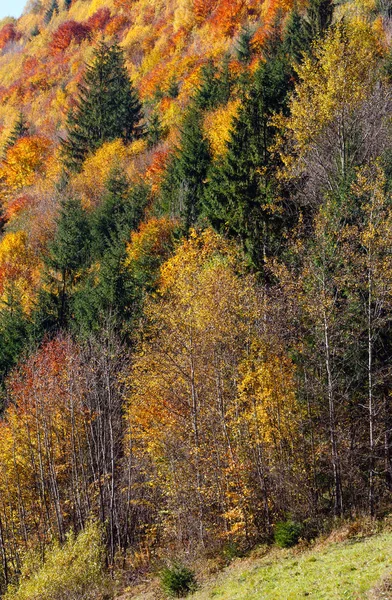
(346, 570)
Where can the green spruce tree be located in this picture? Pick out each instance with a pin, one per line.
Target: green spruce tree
(52, 10)
(318, 18)
(69, 253)
(19, 130)
(155, 130)
(295, 40)
(107, 107)
(244, 49)
(240, 195)
(14, 334)
(183, 188)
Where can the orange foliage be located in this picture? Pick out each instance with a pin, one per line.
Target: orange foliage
(24, 160)
(203, 8)
(99, 20)
(157, 168)
(68, 32)
(117, 25)
(228, 15)
(16, 205)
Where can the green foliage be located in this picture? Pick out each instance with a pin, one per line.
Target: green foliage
(183, 188)
(68, 254)
(107, 107)
(173, 88)
(72, 571)
(215, 86)
(244, 48)
(19, 130)
(35, 31)
(239, 197)
(318, 18)
(108, 287)
(52, 10)
(155, 131)
(178, 580)
(14, 334)
(287, 533)
(295, 41)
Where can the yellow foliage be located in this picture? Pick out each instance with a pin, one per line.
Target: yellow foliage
(217, 127)
(19, 269)
(90, 183)
(267, 391)
(24, 161)
(333, 81)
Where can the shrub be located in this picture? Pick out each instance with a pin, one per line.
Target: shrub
(74, 571)
(287, 533)
(178, 581)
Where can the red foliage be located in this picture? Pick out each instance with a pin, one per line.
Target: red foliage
(117, 25)
(99, 20)
(67, 33)
(8, 34)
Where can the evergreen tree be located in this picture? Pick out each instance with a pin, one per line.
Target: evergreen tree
(215, 86)
(318, 18)
(14, 334)
(108, 287)
(173, 88)
(52, 10)
(295, 41)
(183, 188)
(69, 252)
(107, 107)
(239, 197)
(155, 131)
(119, 213)
(244, 48)
(19, 130)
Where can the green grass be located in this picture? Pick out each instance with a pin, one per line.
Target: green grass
(346, 570)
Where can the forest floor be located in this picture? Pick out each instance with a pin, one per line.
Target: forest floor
(340, 567)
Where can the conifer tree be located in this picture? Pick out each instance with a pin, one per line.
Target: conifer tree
(244, 48)
(19, 130)
(69, 252)
(52, 10)
(14, 329)
(183, 188)
(296, 40)
(107, 107)
(155, 131)
(214, 87)
(239, 197)
(318, 18)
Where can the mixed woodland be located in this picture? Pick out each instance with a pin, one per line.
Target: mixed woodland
(195, 277)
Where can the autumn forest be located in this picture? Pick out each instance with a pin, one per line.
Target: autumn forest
(195, 279)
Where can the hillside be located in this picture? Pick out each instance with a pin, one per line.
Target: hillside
(354, 566)
(195, 292)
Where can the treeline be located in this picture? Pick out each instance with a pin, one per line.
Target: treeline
(211, 354)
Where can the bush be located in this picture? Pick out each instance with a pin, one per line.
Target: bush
(178, 581)
(74, 571)
(287, 533)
